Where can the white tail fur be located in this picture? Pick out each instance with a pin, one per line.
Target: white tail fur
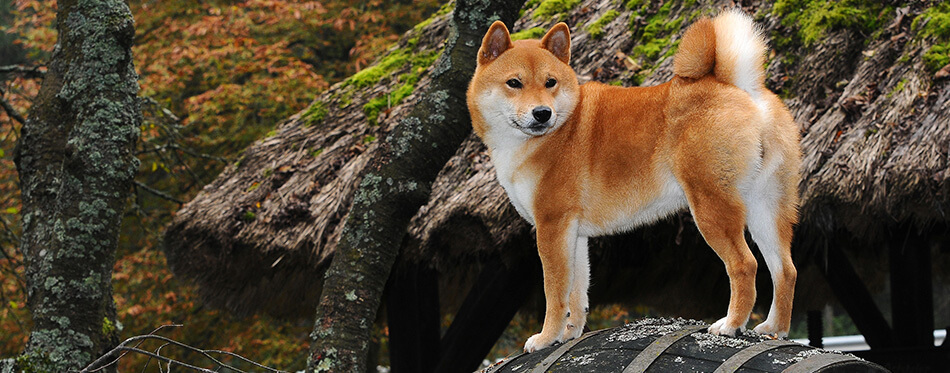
(730, 46)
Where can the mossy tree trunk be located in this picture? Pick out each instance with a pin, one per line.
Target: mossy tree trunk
(75, 162)
(396, 185)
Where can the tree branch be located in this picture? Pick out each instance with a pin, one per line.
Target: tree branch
(31, 72)
(11, 111)
(99, 364)
(157, 192)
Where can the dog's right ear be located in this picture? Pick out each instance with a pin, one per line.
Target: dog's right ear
(496, 41)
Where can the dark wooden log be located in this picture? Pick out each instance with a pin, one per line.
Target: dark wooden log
(815, 329)
(679, 345)
(488, 308)
(412, 313)
(855, 297)
(911, 289)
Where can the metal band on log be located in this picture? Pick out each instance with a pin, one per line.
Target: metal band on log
(679, 345)
(736, 361)
(658, 347)
(815, 363)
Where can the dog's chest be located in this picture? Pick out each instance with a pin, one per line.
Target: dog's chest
(519, 186)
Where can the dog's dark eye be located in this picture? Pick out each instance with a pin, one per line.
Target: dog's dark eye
(550, 83)
(514, 83)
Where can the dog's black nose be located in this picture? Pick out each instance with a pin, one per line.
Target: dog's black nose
(541, 114)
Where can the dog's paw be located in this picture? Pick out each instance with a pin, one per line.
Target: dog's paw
(722, 328)
(769, 328)
(571, 331)
(538, 341)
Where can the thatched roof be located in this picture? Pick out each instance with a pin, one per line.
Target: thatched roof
(876, 131)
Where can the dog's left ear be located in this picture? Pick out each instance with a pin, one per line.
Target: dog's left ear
(558, 42)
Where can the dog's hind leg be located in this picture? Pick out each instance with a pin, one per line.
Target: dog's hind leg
(720, 217)
(771, 219)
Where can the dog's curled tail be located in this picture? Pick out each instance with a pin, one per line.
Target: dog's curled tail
(729, 46)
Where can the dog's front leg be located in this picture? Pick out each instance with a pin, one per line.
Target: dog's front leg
(556, 241)
(580, 281)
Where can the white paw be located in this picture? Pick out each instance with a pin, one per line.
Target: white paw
(570, 332)
(538, 341)
(721, 328)
(768, 327)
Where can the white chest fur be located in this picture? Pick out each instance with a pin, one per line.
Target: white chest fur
(519, 183)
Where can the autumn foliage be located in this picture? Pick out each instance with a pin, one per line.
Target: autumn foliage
(215, 76)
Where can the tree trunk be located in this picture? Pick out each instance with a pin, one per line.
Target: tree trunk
(396, 185)
(75, 161)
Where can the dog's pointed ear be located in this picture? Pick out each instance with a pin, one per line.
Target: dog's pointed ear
(496, 41)
(558, 42)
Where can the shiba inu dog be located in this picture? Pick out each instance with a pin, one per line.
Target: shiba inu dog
(585, 160)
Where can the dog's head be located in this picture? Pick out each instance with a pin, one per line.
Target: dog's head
(526, 85)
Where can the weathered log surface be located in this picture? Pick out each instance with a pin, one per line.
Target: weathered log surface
(678, 345)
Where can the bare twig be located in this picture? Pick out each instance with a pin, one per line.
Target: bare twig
(27, 71)
(155, 356)
(158, 193)
(201, 155)
(125, 349)
(126, 352)
(11, 111)
(165, 112)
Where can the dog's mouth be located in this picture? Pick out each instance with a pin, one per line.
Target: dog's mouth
(534, 128)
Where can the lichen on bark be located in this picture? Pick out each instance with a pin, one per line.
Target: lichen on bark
(75, 162)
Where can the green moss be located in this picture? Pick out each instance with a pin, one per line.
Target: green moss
(596, 28)
(631, 4)
(897, 88)
(638, 79)
(107, 326)
(653, 38)
(551, 8)
(672, 50)
(420, 62)
(271, 133)
(368, 139)
(935, 23)
(316, 153)
(815, 18)
(938, 56)
(28, 363)
(315, 114)
(531, 33)
(651, 49)
(937, 20)
(267, 172)
(253, 187)
(530, 4)
(249, 216)
(373, 74)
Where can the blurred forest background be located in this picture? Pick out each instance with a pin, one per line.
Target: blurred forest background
(215, 75)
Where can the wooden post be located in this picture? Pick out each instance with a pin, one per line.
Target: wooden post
(815, 333)
(911, 289)
(412, 312)
(855, 297)
(488, 308)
